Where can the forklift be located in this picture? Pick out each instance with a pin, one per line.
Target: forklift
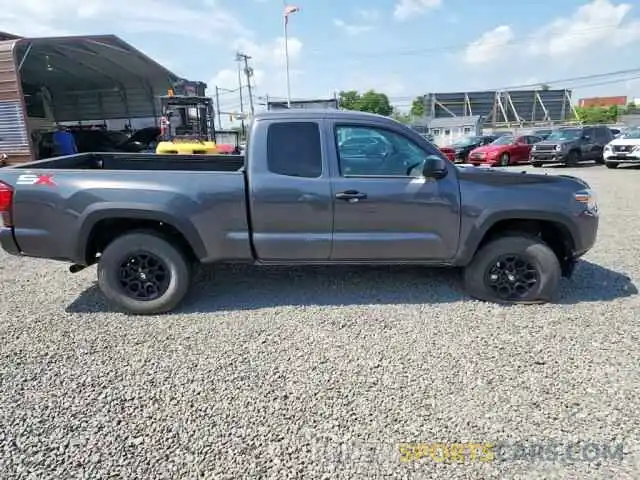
(187, 126)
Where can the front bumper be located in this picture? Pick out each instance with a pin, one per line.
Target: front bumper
(548, 157)
(484, 161)
(586, 234)
(622, 157)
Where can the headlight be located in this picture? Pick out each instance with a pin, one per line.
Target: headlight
(533, 149)
(558, 148)
(607, 148)
(636, 148)
(588, 198)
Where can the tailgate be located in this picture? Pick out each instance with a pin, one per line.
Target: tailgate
(29, 189)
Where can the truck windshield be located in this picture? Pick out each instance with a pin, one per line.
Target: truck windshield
(565, 134)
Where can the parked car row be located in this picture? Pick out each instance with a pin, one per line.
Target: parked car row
(564, 145)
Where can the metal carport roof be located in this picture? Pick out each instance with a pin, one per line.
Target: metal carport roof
(92, 77)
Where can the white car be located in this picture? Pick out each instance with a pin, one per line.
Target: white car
(625, 149)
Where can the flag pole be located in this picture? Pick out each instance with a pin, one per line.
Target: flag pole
(286, 56)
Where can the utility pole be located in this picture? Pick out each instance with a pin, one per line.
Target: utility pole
(218, 108)
(239, 59)
(248, 71)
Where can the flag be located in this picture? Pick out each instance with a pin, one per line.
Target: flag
(288, 10)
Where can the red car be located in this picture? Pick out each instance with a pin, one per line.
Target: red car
(506, 150)
(459, 150)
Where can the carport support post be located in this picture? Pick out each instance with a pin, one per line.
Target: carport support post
(125, 100)
(240, 90)
(24, 57)
(218, 114)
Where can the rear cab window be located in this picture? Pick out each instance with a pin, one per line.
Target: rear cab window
(294, 149)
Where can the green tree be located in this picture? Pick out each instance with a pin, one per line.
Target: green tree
(400, 116)
(349, 100)
(418, 106)
(370, 101)
(594, 115)
(375, 102)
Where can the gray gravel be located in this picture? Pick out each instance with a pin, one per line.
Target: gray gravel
(320, 373)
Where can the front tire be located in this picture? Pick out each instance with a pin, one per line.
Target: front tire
(573, 159)
(536, 164)
(143, 273)
(612, 164)
(514, 270)
(505, 159)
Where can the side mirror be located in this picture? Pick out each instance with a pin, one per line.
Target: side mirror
(434, 167)
(586, 137)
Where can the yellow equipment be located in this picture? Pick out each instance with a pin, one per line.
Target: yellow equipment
(194, 131)
(187, 147)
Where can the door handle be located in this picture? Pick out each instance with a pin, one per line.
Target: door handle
(351, 196)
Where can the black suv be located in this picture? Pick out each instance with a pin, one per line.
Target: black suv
(572, 145)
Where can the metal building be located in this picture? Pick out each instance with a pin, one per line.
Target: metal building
(72, 79)
(279, 104)
(504, 108)
(446, 130)
(620, 101)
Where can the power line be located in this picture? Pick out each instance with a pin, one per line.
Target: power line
(563, 81)
(423, 51)
(577, 79)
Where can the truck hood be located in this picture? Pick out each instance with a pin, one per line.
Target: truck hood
(498, 176)
(625, 141)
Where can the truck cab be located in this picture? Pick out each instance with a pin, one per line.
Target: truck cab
(363, 201)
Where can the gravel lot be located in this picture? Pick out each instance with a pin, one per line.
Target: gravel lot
(320, 373)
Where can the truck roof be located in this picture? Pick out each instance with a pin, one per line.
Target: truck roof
(318, 113)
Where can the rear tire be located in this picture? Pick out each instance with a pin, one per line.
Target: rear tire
(612, 164)
(166, 273)
(533, 264)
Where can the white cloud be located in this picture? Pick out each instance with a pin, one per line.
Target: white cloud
(270, 53)
(368, 16)
(600, 22)
(43, 17)
(228, 79)
(268, 62)
(406, 9)
(365, 22)
(352, 29)
(489, 46)
(593, 25)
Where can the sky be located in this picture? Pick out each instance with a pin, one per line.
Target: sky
(403, 48)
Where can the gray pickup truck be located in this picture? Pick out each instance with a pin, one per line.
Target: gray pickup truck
(303, 194)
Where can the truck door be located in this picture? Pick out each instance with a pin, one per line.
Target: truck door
(289, 192)
(384, 209)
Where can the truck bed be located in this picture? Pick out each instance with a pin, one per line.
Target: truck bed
(138, 162)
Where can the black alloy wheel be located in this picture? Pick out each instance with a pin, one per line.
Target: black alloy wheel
(512, 277)
(144, 276)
